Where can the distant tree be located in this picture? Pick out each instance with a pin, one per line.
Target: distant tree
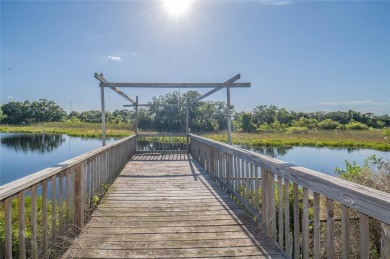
(264, 114)
(245, 122)
(31, 112)
(2, 115)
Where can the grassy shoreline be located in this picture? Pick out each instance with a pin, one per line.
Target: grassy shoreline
(372, 139)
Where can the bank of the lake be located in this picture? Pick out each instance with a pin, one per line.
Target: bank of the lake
(371, 139)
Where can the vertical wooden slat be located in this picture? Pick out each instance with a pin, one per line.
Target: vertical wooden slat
(296, 221)
(280, 215)
(8, 227)
(364, 236)
(317, 226)
(257, 188)
(243, 178)
(21, 226)
(253, 192)
(385, 240)
(79, 195)
(45, 243)
(61, 201)
(287, 216)
(345, 225)
(247, 182)
(264, 200)
(305, 224)
(67, 195)
(330, 228)
(34, 246)
(272, 205)
(53, 210)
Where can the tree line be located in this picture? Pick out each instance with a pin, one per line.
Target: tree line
(205, 116)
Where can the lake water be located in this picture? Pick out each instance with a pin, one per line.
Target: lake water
(323, 159)
(23, 154)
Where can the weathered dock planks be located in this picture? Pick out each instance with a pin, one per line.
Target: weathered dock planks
(164, 208)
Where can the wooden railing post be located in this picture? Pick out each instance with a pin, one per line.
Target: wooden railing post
(385, 241)
(79, 196)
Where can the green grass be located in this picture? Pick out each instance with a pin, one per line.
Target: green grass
(372, 139)
(92, 130)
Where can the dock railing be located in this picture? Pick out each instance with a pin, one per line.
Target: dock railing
(44, 211)
(309, 214)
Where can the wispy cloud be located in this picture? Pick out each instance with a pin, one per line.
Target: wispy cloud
(274, 2)
(115, 58)
(354, 103)
(10, 97)
(134, 54)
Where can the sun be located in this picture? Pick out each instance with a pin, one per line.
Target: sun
(177, 7)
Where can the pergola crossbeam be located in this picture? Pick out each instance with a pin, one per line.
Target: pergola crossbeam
(153, 105)
(177, 85)
(103, 81)
(231, 80)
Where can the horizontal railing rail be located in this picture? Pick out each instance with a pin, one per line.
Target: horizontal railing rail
(291, 203)
(41, 213)
(162, 143)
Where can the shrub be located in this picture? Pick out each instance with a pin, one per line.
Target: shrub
(297, 130)
(328, 124)
(354, 125)
(263, 128)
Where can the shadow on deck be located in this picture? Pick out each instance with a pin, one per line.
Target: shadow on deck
(170, 209)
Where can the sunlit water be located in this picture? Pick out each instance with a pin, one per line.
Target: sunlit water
(23, 154)
(323, 159)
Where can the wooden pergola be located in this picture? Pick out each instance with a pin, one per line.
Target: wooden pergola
(134, 103)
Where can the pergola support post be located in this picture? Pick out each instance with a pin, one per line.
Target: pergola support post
(228, 115)
(188, 125)
(136, 115)
(103, 114)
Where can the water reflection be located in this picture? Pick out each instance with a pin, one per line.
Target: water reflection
(39, 143)
(268, 151)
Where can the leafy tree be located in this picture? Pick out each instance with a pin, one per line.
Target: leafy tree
(245, 122)
(264, 114)
(2, 115)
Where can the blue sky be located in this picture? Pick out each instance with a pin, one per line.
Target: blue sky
(301, 55)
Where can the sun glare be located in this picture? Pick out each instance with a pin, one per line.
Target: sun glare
(177, 7)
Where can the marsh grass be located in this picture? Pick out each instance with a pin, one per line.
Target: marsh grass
(84, 129)
(373, 139)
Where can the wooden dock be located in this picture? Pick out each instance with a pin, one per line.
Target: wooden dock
(164, 207)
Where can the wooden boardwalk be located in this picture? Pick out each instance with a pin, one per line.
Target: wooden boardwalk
(169, 207)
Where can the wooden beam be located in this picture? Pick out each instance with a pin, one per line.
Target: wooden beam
(117, 90)
(177, 85)
(136, 115)
(228, 116)
(152, 105)
(231, 80)
(101, 78)
(103, 114)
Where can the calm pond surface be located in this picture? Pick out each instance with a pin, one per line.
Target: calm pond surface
(23, 154)
(323, 159)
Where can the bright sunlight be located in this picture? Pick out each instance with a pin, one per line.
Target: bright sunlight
(177, 7)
